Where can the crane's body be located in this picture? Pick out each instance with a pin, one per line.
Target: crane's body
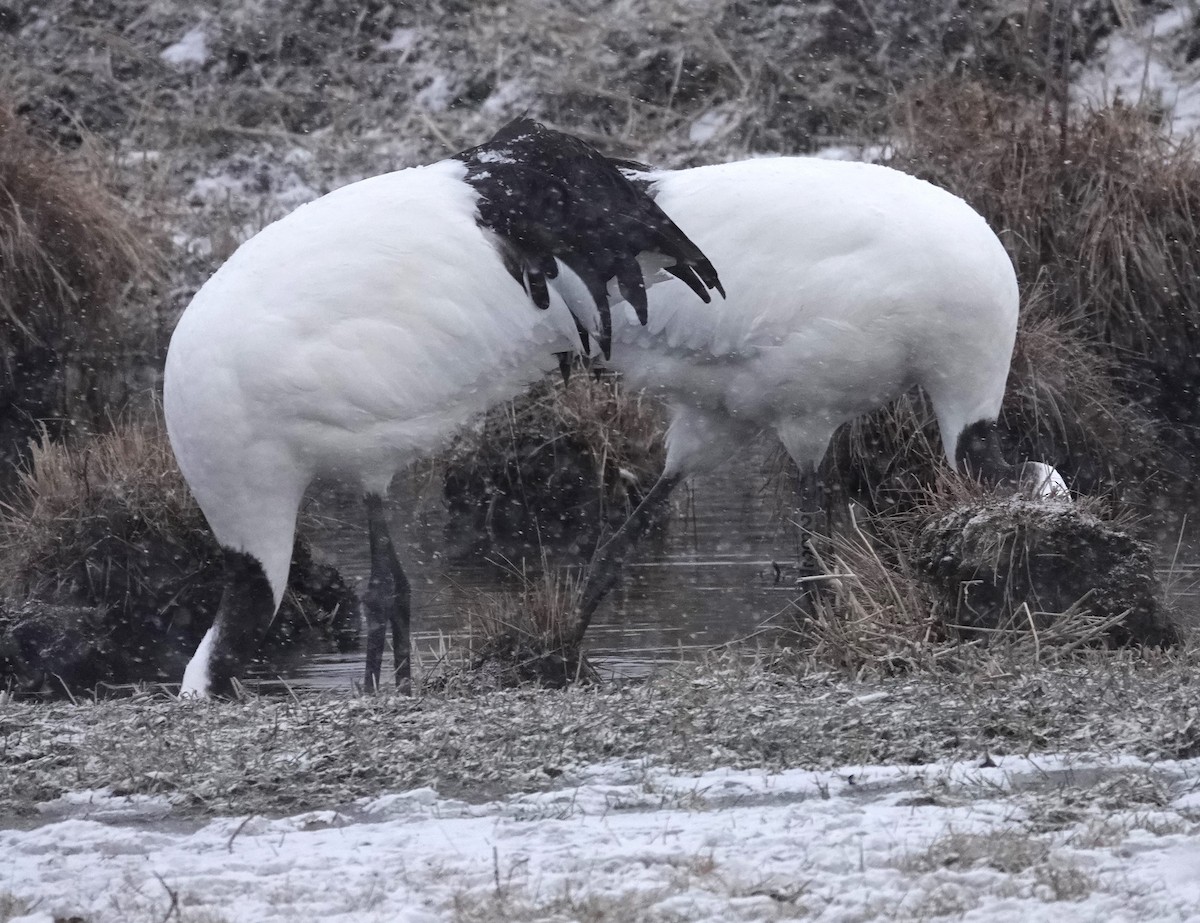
(846, 285)
(361, 331)
(298, 358)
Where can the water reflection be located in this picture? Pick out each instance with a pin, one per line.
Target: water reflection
(709, 580)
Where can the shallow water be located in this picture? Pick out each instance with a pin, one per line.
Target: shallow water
(708, 580)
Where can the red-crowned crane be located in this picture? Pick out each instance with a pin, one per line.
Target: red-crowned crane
(846, 284)
(361, 331)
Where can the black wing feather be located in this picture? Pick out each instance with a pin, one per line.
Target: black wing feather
(550, 196)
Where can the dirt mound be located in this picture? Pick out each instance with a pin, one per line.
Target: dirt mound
(1033, 565)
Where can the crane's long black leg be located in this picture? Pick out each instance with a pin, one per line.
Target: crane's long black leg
(606, 563)
(386, 602)
(808, 514)
(811, 497)
(243, 617)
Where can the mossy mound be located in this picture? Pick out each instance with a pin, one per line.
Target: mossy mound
(1031, 565)
(554, 467)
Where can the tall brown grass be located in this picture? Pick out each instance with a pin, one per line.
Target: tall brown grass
(69, 257)
(104, 551)
(526, 635)
(1101, 212)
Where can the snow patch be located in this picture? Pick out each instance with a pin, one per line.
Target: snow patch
(1144, 64)
(707, 127)
(437, 95)
(508, 98)
(852, 842)
(401, 40)
(190, 52)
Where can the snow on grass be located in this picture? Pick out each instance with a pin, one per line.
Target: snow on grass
(626, 841)
(1148, 63)
(190, 52)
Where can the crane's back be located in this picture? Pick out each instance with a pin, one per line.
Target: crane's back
(846, 284)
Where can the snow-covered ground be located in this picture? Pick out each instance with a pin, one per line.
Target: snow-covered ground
(623, 842)
(1147, 63)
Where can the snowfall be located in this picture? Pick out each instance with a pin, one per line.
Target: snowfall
(623, 841)
(632, 841)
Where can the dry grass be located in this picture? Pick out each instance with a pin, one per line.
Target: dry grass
(671, 82)
(1011, 853)
(555, 465)
(66, 487)
(1066, 405)
(881, 615)
(527, 635)
(265, 755)
(109, 573)
(1100, 214)
(875, 615)
(11, 907)
(70, 259)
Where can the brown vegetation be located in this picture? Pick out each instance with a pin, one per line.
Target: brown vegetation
(526, 636)
(1100, 214)
(554, 466)
(109, 573)
(69, 256)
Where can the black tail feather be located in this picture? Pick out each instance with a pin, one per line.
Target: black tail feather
(633, 287)
(688, 275)
(548, 196)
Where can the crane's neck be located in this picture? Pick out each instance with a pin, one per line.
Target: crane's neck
(246, 609)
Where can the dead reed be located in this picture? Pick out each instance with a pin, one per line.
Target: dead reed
(69, 257)
(525, 636)
(110, 574)
(1100, 214)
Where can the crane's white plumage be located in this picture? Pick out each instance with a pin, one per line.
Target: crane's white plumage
(846, 285)
(302, 357)
(362, 330)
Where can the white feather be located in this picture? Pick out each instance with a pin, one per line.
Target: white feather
(846, 285)
(349, 338)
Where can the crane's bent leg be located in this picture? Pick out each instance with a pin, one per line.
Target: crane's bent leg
(806, 441)
(243, 616)
(606, 563)
(387, 602)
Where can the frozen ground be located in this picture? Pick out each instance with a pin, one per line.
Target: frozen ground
(1035, 839)
(985, 789)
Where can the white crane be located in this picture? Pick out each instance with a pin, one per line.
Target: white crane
(846, 284)
(361, 331)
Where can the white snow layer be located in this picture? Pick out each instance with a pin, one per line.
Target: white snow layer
(189, 52)
(1147, 64)
(856, 844)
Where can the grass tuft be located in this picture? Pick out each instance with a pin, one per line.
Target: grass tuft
(70, 259)
(1100, 213)
(527, 636)
(109, 573)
